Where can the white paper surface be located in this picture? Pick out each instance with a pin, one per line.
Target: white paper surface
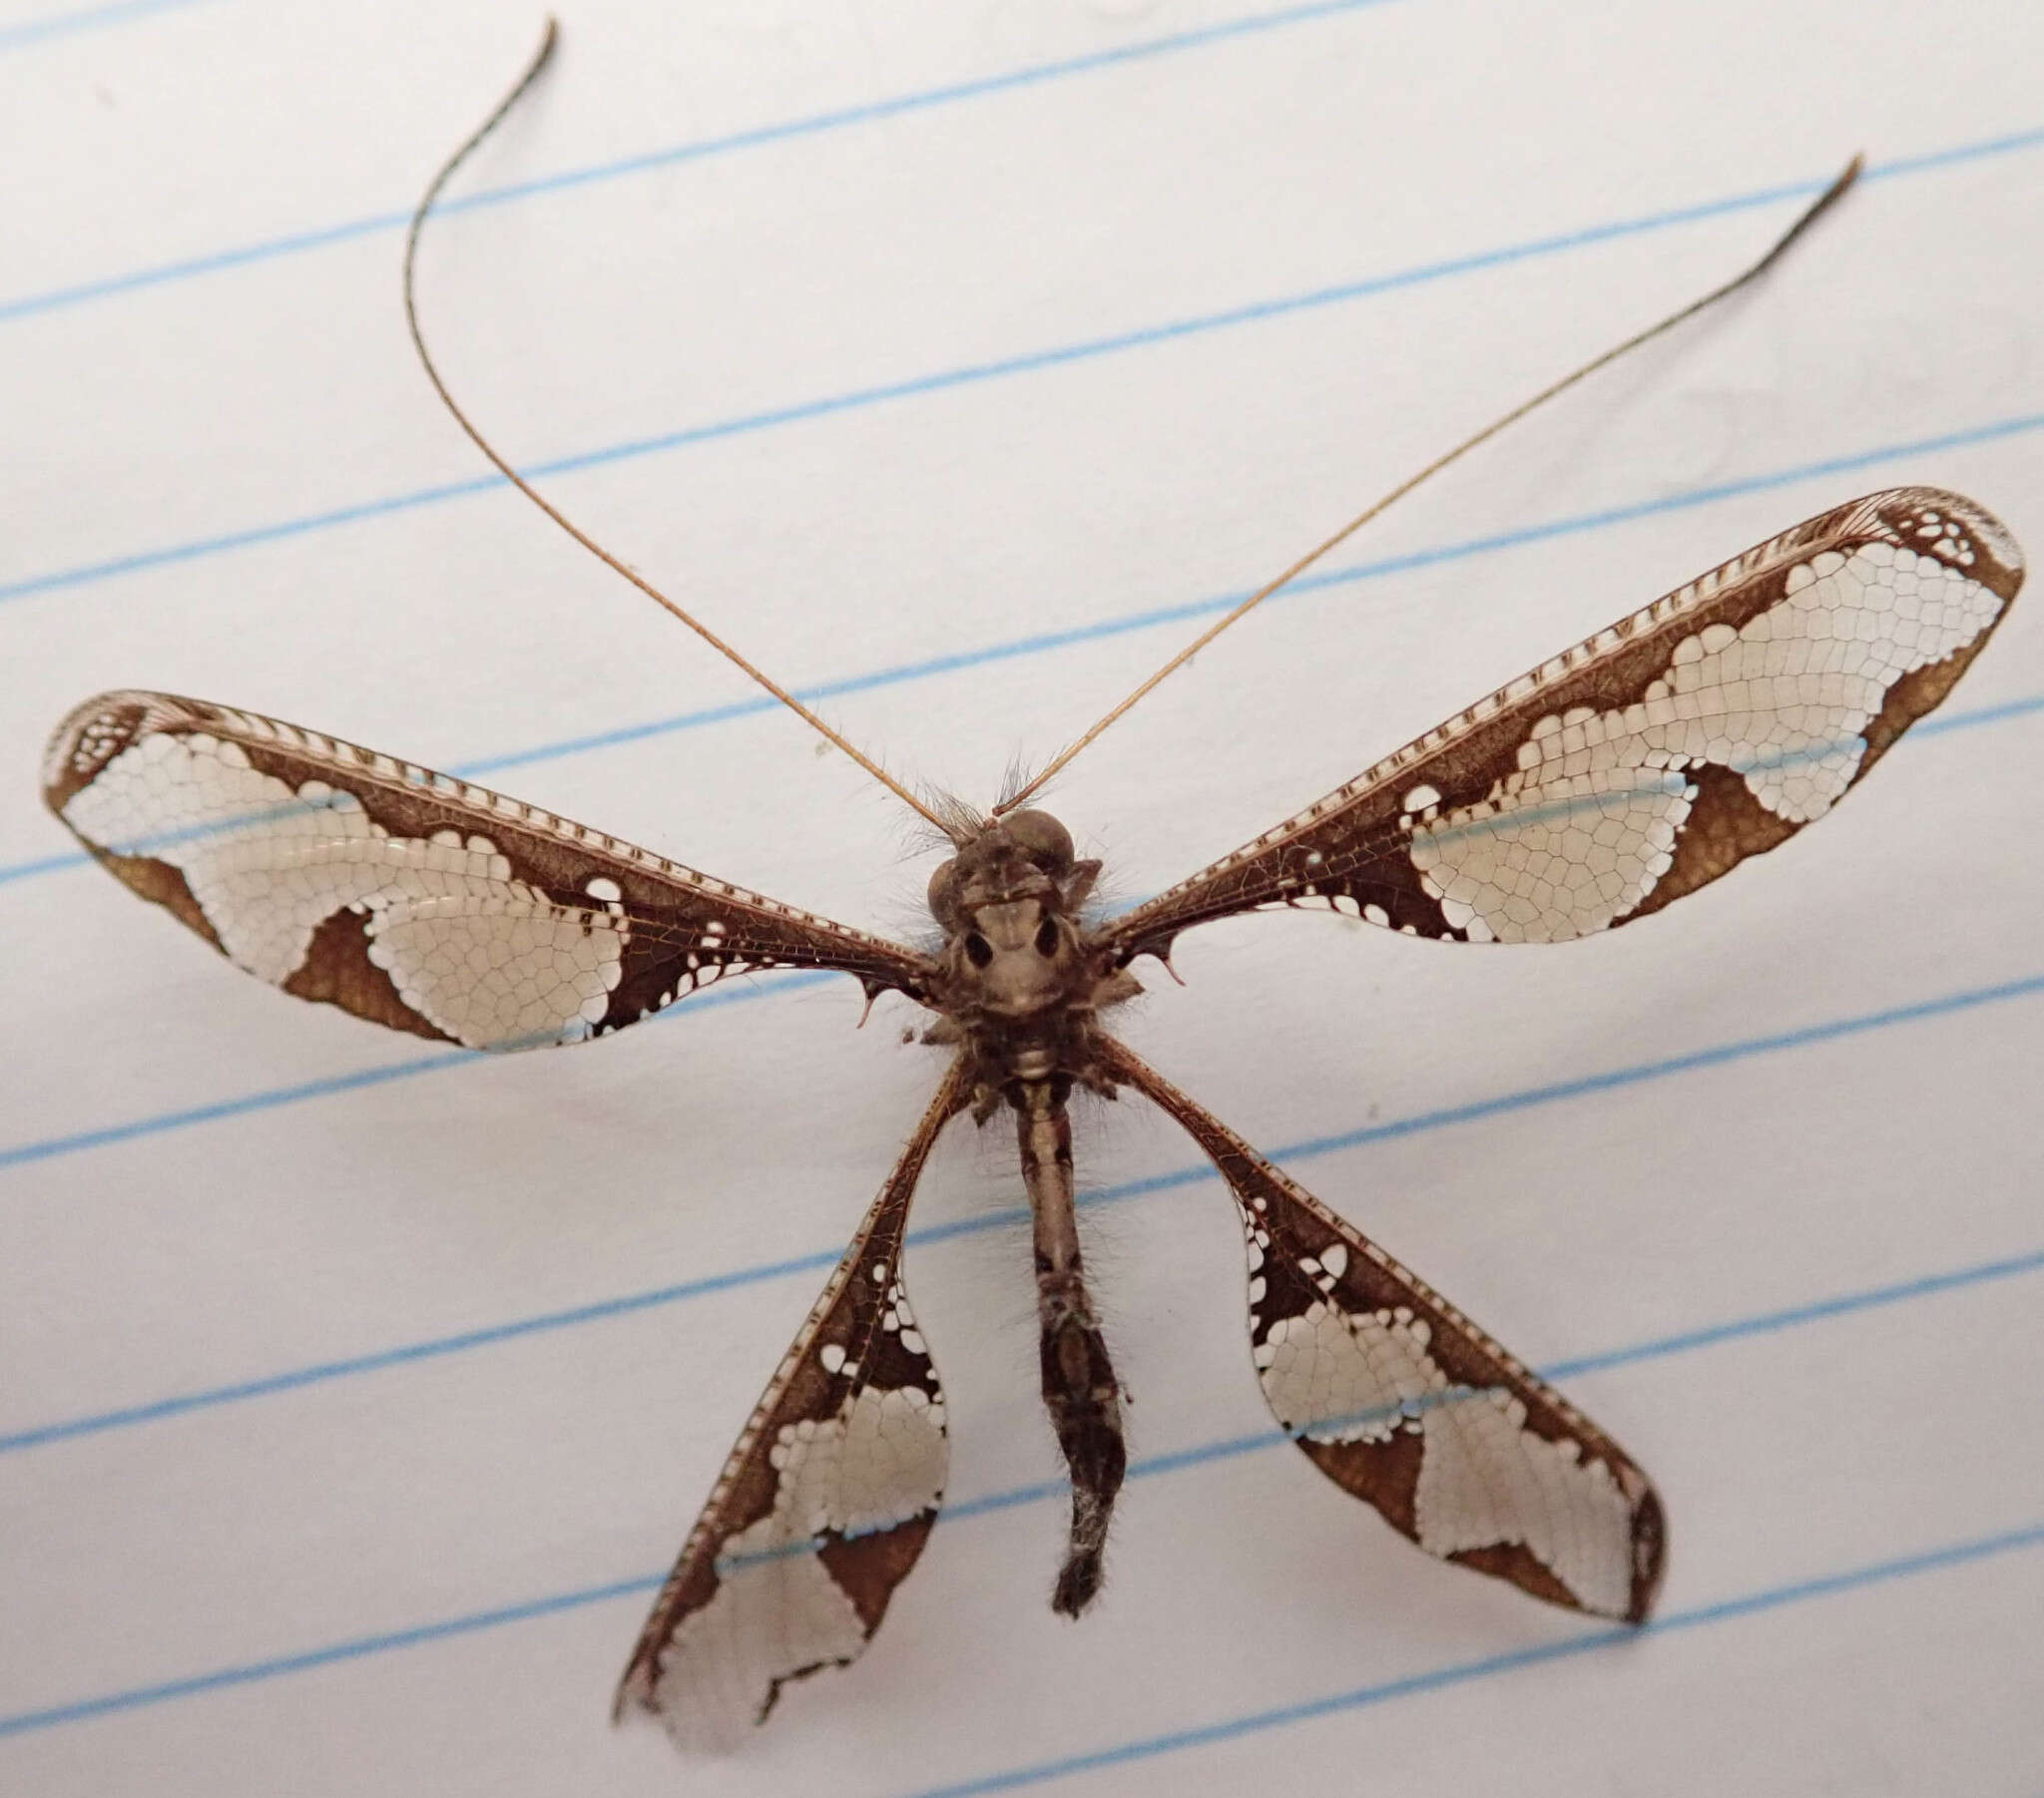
(976, 335)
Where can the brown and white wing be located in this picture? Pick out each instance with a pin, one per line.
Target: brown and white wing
(1648, 760)
(410, 898)
(824, 1502)
(1400, 1399)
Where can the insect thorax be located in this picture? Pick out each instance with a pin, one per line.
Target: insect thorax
(1018, 978)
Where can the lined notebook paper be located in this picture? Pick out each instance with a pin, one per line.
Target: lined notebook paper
(958, 363)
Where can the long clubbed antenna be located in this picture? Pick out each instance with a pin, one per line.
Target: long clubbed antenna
(411, 319)
(1823, 203)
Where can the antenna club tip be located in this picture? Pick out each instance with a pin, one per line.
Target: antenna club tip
(549, 38)
(1851, 173)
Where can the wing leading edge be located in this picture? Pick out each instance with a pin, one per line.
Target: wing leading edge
(413, 899)
(1405, 1403)
(824, 1501)
(1651, 759)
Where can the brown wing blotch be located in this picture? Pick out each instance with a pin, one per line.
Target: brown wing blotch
(824, 1501)
(1400, 1400)
(413, 899)
(1649, 759)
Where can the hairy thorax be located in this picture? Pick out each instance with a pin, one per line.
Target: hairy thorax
(1019, 980)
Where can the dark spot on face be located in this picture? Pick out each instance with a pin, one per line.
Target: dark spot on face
(978, 951)
(1047, 938)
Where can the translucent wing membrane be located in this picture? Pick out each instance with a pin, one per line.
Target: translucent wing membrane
(406, 897)
(1648, 760)
(1400, 1399)
(824, 1502)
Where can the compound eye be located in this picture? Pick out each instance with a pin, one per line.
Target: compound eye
(1042, 838)
(978, 951)
(944, 892)
(1047, 938)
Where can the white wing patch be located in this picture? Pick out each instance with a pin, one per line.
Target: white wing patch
(779, 1617)
(843, 1479)
(778, 1611)
(1407, 1405)
(1581, 832)
(490, 961)
(1486, 1479)
(1333, 1376)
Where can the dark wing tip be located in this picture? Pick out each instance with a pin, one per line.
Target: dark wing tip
(1650, 1555)
(1960, 530)
(634, 1687)
(93, 733)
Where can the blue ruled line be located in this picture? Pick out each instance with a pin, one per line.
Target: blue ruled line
(1817, 1311)
(330, 1084)
(814, 125)
(22, 1722)
(1610, 799)
(474, 1623)
(46, 864)
(970, 374)
(1126, 623)
(1766, 1323)
(1747, 1605)
(1938, 723)
(1739, 1606)
(84, 18)
(177, 1405)
(1152, 618)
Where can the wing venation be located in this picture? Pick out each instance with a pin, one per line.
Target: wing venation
(824, 1501)
(1403, 1401)
(413, 899)
(1651, 759)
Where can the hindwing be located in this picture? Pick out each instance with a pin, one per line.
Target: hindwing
(1402, 1401)
(824, 1501)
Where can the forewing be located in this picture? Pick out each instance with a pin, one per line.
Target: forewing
(1400, 1399)
(824, 1502)
(410, 898)
(1648, 760)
